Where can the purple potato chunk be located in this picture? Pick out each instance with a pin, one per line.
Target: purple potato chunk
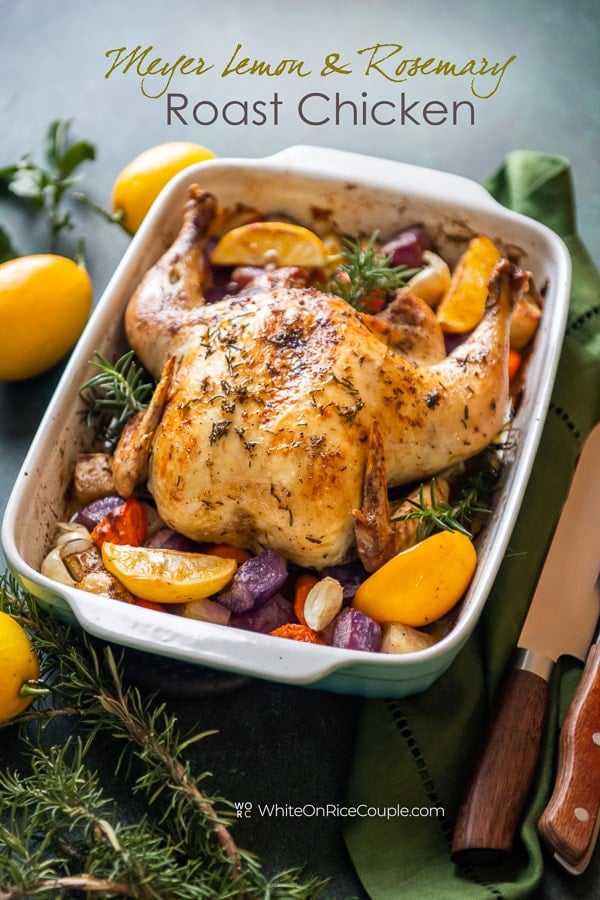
(167, 539)
(406, 249)
(255, 581)
(355, 631)
(350, 576)
(94, 512)
(274, 612)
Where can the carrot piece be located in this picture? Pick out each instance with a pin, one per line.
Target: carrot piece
(514, 362)
(149, 604)
(298, 633)
(227, 551)
(125, 524)
(301, 589)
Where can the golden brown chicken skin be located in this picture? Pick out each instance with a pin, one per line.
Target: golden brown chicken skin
(264, 439)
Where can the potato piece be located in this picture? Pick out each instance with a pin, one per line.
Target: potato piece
(433, 280)
(399, 638)
(93, 477)
(524, 323)
(106, 585)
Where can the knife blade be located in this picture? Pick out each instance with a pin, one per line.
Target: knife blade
(571, 820)
(561, 620)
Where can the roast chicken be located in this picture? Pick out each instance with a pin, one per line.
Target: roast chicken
(275, 396)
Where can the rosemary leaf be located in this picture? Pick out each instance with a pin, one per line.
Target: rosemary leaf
(114, 395)
(460, 513)
(365, 276)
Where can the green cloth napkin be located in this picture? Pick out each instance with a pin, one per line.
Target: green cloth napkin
(419, 751)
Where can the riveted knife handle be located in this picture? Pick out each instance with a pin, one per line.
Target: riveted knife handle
(569, 822)
(490, 813)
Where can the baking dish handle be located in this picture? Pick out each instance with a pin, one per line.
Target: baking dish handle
(215, 646)
(344, 164)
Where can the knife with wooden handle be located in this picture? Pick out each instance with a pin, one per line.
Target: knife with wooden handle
(561, 620)
(571, 820)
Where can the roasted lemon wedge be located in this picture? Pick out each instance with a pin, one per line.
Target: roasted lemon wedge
(463, 305)
(167, 576)
(260, 243)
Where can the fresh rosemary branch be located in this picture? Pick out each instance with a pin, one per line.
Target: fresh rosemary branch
(45, 187)
(114, 395)
(60, 833)
(365, 275)
(458, 514)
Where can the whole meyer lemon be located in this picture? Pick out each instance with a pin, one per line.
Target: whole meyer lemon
(18, 664)
(45, 301)
(142, 180)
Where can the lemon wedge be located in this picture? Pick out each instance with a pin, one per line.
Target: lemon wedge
(281, 243)
(463, 304)
(167, 576)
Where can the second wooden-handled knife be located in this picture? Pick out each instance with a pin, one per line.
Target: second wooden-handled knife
(571, 820)
(561, 620)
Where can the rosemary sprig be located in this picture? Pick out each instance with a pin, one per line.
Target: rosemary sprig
(114, 395)
(365, 276)
(60, 832)
(458, 514)
(46, 186)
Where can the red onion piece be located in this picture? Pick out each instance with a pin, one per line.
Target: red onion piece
(94, 512)
(406, 249)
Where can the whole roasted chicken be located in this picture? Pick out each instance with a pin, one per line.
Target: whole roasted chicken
(282, 411)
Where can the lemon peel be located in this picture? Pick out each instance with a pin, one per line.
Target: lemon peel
(281, 243)
(167, 576)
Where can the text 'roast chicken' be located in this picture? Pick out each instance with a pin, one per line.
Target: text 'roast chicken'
(263, 436)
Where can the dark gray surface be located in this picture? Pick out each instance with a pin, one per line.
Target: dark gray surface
(52, 65)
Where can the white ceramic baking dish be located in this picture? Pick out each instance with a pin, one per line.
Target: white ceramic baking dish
(320, 187)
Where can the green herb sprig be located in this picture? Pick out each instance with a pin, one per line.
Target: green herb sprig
(47, 185)
(7, 250)
(472, 502)
(61, 834)
(366, 274)
(115, 394)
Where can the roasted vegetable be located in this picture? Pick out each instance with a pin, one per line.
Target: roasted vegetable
(356, 631)
(323, 603)
(125, 523)
(274, 612)
(404, 639)
(408, 247)
(420, 584)
(433, 280)
(254, 582)
(524, 322)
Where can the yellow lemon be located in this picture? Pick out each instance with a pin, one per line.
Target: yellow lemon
(463, 304)
(421, 584)
(142, 180)
(259, 243)
(167, 576)
(18, 664)
(45, 301)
